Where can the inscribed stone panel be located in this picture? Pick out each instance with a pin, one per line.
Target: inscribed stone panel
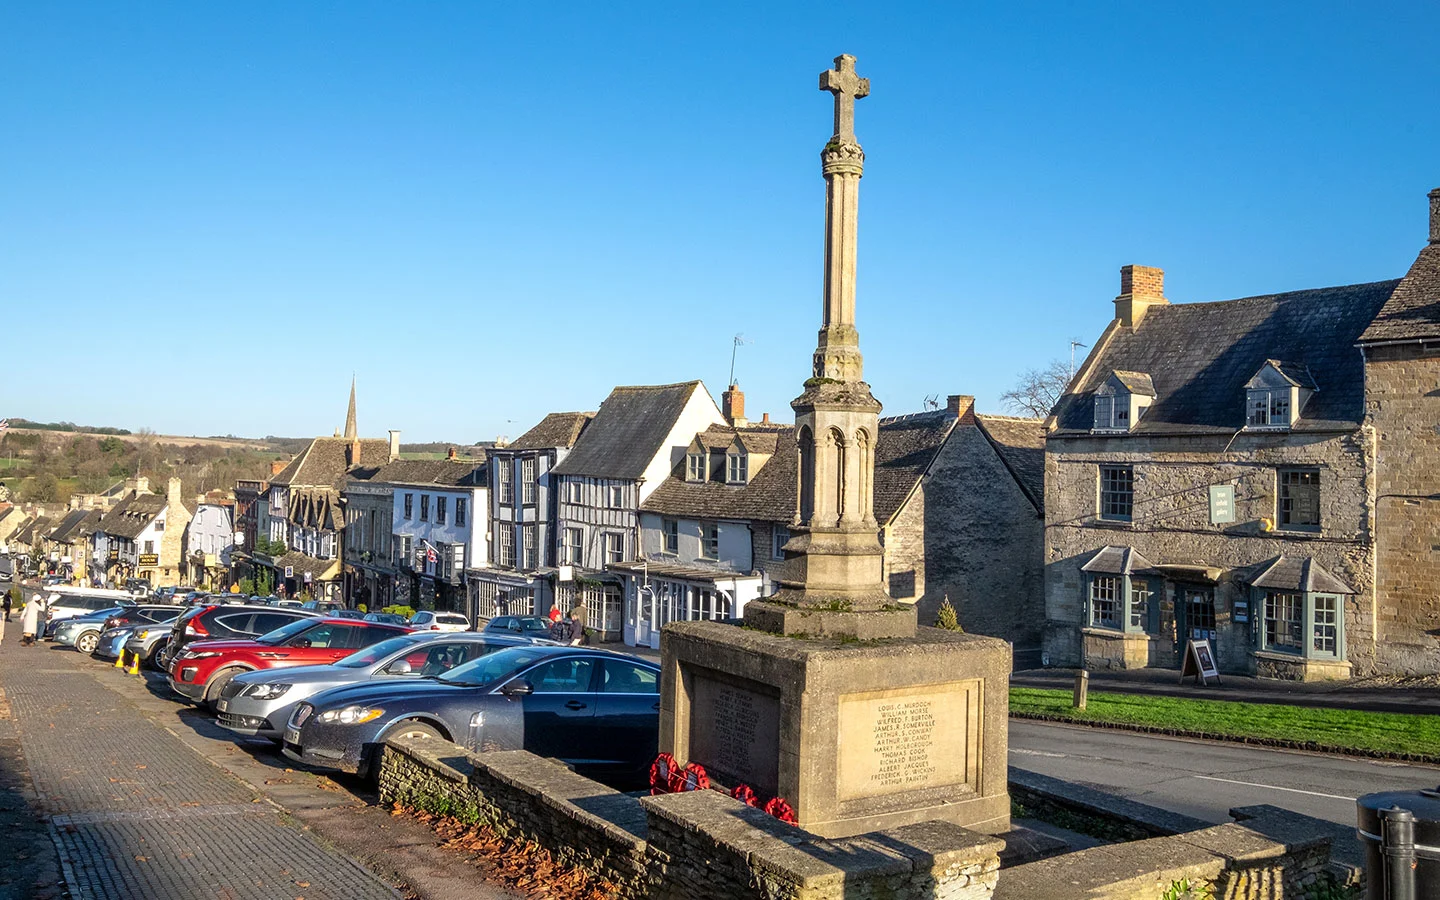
(735, 731)
(909, 739)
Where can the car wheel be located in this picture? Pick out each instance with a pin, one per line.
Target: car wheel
(157, 659)
(87, 642)
(413, 729)
(217, 685)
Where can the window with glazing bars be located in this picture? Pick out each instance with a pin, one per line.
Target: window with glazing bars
(1139, 603)
(1300, 499)
(1117, 492)
(527, 482)
(1104, 598)
(1326, 626)
(1283, 613)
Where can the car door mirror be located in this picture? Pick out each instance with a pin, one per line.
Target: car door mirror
(518, 688)
(401, 667)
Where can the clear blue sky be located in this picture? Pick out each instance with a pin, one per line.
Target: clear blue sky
(211, 214)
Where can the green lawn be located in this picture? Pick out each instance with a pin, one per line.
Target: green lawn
(1331, 728)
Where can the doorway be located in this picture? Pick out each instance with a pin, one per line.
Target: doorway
(1197, 615)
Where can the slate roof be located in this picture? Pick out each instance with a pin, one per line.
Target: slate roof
(437, 472)
(32, 530)
(322, 464)
(1200, 356)
(904, 449)
(1295, 573)
(130, 516)
(1136, 382)
(628, 431)
(1297, 374)
(1020, 444)
(78, 523)
(300, 563)
(1413, 310)
(1113, 560)
(560, 430)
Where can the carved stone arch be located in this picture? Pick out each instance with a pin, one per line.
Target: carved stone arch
(805, 495)
(839, 476)
(865, 474)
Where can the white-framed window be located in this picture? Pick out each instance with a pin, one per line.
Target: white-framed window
(527, 481)
(737, 468)
(1117, 493)
(1105, 600)
(506, 538)
(1298, 499)
(695, 465)
(424, 507)
(779, 537)
(710, 540)
(149, 548)
(574, 546)
(1267, 408)
(440, 504)
(409, 506)
(574, 491)
(402, 545)
(1281, 626)
(460, 511)
(616, 496)
(505, 475)
(670, 528)
(528, 559)
(614, 547)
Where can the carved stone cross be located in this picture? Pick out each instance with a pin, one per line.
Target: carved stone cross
(847, 88)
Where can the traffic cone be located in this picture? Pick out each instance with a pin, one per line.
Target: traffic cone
(135, 666)
(120, 660)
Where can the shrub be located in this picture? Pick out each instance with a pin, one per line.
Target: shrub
(406, 611)
(946, 617)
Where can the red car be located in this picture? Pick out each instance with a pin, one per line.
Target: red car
(200, 671)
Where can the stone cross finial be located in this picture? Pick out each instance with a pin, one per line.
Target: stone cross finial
(847, 88)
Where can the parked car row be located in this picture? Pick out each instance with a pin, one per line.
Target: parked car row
(331, 689)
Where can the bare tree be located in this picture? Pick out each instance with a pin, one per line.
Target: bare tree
(1038, 390)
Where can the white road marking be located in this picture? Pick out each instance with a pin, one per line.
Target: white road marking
(1024, 752)
(1274, 787)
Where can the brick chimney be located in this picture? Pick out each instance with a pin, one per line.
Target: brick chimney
(764, 418)
(1141, 287)
(962, 407)
(1435, 216)
(450, 453)
(732, 406)
(394, 445)
(277, 466)
(352, 452)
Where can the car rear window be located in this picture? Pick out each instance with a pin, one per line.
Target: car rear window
(452, 619)
(232, 624)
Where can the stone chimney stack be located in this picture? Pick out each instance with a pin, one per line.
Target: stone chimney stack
(732, 406)
(1141, 287)
(172, 494)
(142, 485)
(394, 445)
(277, 466)
(450, 453)
(1435, 216)
(961, 406)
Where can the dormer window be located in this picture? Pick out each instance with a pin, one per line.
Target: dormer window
(1276, 394)
(695, 469)
(737, 467)
(1122, 400)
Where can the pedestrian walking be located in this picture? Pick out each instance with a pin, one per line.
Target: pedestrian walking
(6, 603)
(554, 614)
(30, 621)
(577, 625)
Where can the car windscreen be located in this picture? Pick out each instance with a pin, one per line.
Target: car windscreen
(284, 632)
(375, 652)
(492, 667)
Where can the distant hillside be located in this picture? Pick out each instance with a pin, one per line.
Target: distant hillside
(67, 426)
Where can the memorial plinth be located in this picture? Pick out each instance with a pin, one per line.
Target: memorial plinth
(858, 736)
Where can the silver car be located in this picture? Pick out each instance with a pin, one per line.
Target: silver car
(149, 639)
(260, 703)
(112, 640)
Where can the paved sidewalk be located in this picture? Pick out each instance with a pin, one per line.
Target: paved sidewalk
(1165, 682)
(135, 813)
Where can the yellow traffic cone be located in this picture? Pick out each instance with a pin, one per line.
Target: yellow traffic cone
(120, 660)
(135, 666)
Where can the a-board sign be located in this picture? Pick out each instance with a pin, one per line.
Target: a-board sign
(1200, 662)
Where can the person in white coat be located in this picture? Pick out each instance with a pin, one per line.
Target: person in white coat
(30, 620)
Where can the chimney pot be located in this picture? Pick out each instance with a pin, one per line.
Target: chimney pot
(764, 418)
(1435, 216)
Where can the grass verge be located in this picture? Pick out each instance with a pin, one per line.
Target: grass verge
(1336, 730)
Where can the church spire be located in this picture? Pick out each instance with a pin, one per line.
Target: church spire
(351, 433)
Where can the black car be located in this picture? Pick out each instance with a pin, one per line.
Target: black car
(595, 709)
(211, 621)
(526, 626)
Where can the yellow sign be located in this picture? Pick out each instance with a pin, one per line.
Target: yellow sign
(234, 588)
(149, 559)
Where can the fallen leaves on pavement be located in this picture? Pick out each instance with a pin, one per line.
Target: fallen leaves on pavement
(522, 865)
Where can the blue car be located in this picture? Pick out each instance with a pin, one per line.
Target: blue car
(595, 709)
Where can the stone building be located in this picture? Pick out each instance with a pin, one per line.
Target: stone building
(142, 537)
(69, 543)
(957, 506)
(371, 567)
(518, 575)
(1253, 472)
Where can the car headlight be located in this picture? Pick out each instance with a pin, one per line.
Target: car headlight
(203, 654)
(351, 715)
(267, 690)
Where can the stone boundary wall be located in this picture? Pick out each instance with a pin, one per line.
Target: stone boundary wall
(1120, 819)
(1273, 856)
(699, 844)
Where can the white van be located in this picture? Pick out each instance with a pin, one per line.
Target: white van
(66, 602)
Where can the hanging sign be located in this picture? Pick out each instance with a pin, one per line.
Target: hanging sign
(1200, 662)
(1222, 504)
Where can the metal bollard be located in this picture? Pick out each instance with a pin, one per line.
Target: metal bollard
(1397, 843)
(1082, 689)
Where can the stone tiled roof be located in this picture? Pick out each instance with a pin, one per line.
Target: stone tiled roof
(1200, 356)
(628, 431)
(78, 523)
(322, 464)
(557, 430)
(1020, 444)
(1118, 561)
(904, 449)
(1295, 573)
(1297, 374)
(315, 508)
(32, 530)
(1413, 310)
(130, 516)
(300, 564)
(1136, 383)
(428, 472)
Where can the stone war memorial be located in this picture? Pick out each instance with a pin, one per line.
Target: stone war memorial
(831, 695)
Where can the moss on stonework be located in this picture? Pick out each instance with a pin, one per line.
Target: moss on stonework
(819, 380)
(439, 805)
